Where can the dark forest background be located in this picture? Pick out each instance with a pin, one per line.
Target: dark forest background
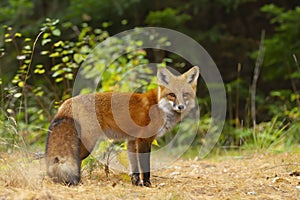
(254, 43)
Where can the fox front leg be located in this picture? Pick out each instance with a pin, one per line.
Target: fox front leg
(144, 149)
(134, 167)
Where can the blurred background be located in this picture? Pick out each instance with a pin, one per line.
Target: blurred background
(254, 43)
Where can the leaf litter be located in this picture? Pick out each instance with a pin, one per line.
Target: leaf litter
(251, 176)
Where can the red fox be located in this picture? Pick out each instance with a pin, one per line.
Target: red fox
(136, 118)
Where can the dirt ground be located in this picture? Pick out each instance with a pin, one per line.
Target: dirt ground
(247, 176)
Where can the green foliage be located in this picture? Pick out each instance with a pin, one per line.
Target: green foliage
(168, 17)
(270, 135)
(41, 83)
(282, 49)
(120, 64)
(29, 96)
(11, 11)
(10, 138)
(232, 4)
(116, 74)
(90, 164)
(285, 105)
(274, 135)
(88, 9)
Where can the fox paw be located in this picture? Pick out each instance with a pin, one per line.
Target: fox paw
(146, 183)
(135, 179)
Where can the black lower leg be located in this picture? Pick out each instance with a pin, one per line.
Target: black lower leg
(146, 179)
(144, 162)
(134, 167)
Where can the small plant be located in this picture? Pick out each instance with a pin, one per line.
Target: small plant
(10, 137)
(266, 136)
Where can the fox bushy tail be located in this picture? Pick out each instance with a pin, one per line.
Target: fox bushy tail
(63, 151)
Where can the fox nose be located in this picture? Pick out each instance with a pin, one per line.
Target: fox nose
(181, 107)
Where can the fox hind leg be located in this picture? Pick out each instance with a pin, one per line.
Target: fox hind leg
(63, 151)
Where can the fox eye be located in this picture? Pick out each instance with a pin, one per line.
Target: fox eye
(172, 95)
(186, 95)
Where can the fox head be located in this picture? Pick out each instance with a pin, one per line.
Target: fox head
(177, 93)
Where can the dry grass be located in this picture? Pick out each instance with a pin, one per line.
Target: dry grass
(254, 176)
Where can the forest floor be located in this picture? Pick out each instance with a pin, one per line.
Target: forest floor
(246, 176)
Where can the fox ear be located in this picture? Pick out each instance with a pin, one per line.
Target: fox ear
(163, 76)
(192, 75)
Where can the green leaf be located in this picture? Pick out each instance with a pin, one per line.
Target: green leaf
(272, 8)
(85, 49)
(23, 66)
(78, 58)
(54, 55)
(86, 91)
(66, 52)
(27, 47)
(26, 51)
(8, 40)
(21, 84)
(39, 66)
(155, 143)
(39, 71)
(21, 57)
(59, 43)
(106, 75)
(295, 97)
(56, 67)
(124, 22)
(139, 43)
(67, 69)
(16, 79)
(59, 80)
(56, 32)
(66, 96)
(69, 76)
(10, 111)
(106, 24)
(44, 52)
(67, 24)
(17, 95)
(65, 59)
(46, 35)
(45, 41)
(18, 35)
(39, 93)
(295, 75)
(55, 22)
(57, 73)
(97, 31)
